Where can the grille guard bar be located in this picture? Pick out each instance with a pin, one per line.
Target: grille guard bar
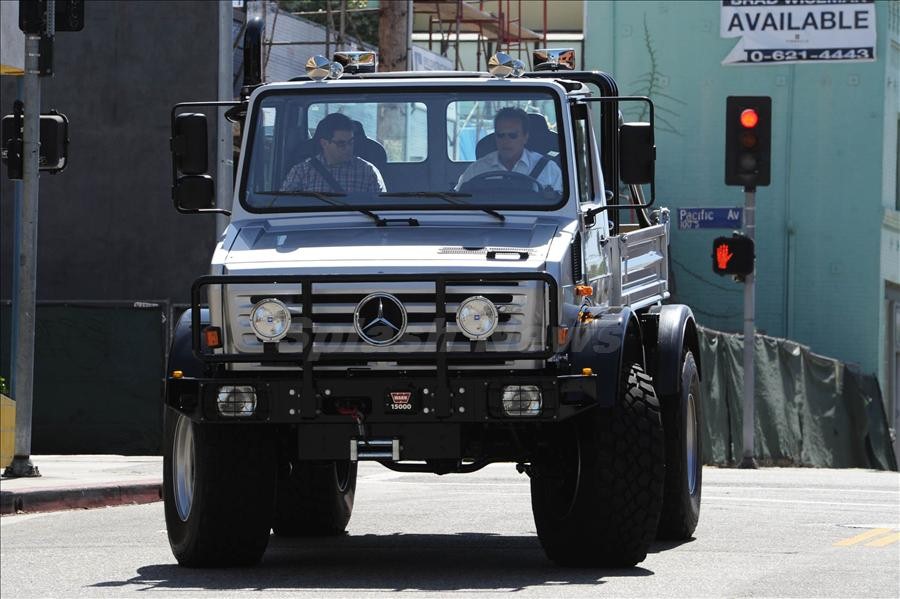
(441, 355)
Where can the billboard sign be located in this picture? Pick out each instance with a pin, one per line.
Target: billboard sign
(798, 31)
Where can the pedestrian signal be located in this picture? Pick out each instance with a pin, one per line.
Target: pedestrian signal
(748, 140)
(734, 255)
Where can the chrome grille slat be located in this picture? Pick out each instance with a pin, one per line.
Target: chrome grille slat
(333, 305)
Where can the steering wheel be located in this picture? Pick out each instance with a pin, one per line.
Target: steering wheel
(502, 180)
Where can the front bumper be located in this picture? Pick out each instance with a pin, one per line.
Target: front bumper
(398, 397)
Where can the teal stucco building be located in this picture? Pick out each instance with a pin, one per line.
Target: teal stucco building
(828, 226)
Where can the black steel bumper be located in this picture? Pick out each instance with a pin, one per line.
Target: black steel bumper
(391, 397)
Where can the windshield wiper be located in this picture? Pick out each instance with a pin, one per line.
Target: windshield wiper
(325, 196)
(451, 197)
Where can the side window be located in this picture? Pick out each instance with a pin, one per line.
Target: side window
(468, 122)
(583, 163)
(399, 127)
(264, 166)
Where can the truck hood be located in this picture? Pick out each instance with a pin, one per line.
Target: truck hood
(262, 246)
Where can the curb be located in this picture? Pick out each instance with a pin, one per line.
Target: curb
(51, 500)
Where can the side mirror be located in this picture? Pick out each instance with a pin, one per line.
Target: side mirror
(194, 192)
(637, 153)
(189, 139)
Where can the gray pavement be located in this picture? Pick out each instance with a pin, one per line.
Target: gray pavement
(772, 532)
(83, 481)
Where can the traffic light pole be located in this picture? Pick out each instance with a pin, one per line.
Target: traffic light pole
(27, 266)
(749, 460)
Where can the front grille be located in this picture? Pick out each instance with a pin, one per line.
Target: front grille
(520, 305)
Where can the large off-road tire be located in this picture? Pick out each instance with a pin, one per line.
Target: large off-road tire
(684, 470)
(597, 493)
(315, 498)
(218, 491)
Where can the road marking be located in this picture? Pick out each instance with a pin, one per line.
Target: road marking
(800, 501)
(876, 532)
(804, 489)
(885, 541)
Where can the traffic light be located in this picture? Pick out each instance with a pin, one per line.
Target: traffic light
(734, 255)
(748, 140)
(69, 16)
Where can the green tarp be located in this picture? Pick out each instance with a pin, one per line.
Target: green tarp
(810, 410)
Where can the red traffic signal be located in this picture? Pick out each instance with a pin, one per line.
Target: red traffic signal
(734, 255)
(749, 118)
(748, 140)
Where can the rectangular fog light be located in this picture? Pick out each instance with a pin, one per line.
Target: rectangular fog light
(236, 401)
(522, 400)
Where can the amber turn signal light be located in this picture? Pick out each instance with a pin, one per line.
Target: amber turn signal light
(584, 290)
(213, 337)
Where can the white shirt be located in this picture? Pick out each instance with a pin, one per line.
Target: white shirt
(551, 175)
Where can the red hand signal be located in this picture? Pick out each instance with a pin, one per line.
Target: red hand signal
(723, 256)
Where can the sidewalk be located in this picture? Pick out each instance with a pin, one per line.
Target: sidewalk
(83, 481)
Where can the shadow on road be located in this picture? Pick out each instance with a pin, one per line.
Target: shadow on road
(432, 562)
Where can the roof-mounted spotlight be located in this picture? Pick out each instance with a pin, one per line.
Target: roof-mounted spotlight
(502, 65)
(554, 59)
(357, 62)
(318, 68)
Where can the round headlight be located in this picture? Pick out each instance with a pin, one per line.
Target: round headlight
(270, 320)
(477, 317)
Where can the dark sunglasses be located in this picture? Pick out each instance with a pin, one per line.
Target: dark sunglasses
(510, 135)
(342, 143)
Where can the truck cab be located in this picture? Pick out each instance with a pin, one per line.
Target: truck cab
(430, 271)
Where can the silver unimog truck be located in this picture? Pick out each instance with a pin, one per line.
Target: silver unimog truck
(452, 317)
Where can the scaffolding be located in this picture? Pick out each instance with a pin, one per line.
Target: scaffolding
(502, 31)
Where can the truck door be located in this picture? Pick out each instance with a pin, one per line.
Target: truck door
(591, 195)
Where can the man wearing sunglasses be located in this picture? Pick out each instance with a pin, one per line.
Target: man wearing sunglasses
(335, 168)
(511, 136)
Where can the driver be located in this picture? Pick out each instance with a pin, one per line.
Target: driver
(511, 135)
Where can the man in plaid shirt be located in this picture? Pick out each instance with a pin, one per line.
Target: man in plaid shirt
(334, 168)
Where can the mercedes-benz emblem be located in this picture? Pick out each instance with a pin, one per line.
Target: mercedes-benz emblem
(380, 319)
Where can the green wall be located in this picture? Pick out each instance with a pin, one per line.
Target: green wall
(818, 223)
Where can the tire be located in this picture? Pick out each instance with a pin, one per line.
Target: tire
(315, 499)
(218, 491)
(684, 470)
(596, 494)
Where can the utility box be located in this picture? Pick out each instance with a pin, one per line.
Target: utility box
(7, 430)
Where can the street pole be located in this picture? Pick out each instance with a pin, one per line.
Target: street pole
(17, 245)
(27, 266)
(225, 162)
(749, 460)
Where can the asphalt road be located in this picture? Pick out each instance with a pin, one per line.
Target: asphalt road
(770, 532)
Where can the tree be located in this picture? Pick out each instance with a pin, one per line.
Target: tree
(392, 39)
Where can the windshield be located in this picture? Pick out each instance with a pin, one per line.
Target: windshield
(370, 149)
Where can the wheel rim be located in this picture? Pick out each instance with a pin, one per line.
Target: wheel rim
(183, 467)
(691, 443)
(342, 471)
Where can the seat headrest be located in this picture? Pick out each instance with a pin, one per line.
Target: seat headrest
(367, 148)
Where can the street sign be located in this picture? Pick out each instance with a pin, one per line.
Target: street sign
(710, 218)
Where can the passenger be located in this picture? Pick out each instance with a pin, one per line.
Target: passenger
(335, 168)
(511, 135)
